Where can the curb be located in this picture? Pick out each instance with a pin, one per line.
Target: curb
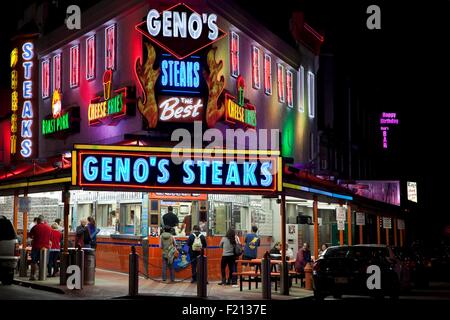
(38, 286)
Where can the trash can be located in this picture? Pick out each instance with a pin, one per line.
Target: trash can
(89, 266)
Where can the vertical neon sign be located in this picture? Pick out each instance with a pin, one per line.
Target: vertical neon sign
(45, 78)
(301, 89)
(110, 47)
(387, 119)
(57, 72)
(74, 66)
(267, 74)
(289, 88)
(281, 84)
(90, 58)
(14, 99)
(311, 94)
(256, 68)
(234, 54)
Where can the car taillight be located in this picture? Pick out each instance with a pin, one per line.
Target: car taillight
(17, 250)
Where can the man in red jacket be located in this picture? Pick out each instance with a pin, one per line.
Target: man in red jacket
(40, 235)
(52, 267)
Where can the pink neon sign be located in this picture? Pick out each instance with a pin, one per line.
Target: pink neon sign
(387, 119)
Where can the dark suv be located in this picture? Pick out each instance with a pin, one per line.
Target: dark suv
(9, 251)
(343, 270)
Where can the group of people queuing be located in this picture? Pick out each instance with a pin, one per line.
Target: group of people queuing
(45, 236)
(50, 237)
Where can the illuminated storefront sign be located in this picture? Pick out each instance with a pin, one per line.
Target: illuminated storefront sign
(290, 88)
(240, 111)
(281, 83)
(180, 76)
(180, 30)
(180, 109)
(74, 66)
(110, 47)
(56, 72)
(256, 68)
(156, 169)
(23, 101)
(61, 122)
(412, 191)
(45, 78)
(179, 196)
(267, 74)
(387, 119)
(234, 54)
(113, 106)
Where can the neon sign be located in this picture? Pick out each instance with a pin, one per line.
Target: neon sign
(289, 88)
(267, 74)
(110, 47)
(114, 105)
(74, 66)
(180, 109)
(256, 66)
(387, 119)
(23, 99)
(281, 83)
(90, 58)
(45, 78)
(234, 54)
(57, 72)
(180, 30)
(154, 169)
(180, 76)
(61, 122)
(240, 111)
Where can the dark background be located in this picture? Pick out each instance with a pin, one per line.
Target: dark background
(403, 67)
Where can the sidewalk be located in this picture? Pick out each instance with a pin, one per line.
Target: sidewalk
(110, 284)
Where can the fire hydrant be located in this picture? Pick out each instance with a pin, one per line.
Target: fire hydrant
(308, 276)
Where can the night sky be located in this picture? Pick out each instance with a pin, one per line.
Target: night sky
(403, 67)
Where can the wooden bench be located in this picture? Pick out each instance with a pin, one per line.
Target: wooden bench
(248, 274)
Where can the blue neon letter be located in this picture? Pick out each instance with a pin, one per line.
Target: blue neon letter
(122, 169)
(27, 111)
(190, 174)
(164, 78)
(249, 174)
(27, 49)
(217, 172)
(90, 173)
(106, 169)
(140, 178)
(203, 164)
(26, 148)
(266, 167)
(27, 69)
(27, 89)
(163, 163)
(233, 174)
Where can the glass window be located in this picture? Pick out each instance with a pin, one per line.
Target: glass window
(289, 88)
(130, 218)
(301, 90)
(106, 215)
(57, 72)
(281, 83)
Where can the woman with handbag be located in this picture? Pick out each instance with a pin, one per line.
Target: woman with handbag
(231, 249)
(169, 253)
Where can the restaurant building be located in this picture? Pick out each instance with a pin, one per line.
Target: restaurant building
(122, 115)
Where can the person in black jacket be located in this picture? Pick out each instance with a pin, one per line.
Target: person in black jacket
(196, 243)
(170, 219)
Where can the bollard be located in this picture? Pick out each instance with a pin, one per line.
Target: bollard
(23, 269)
(308, 276)
(265, 277)
(64, 263)
(284, 278)
(43, 258)
(202, 275)
(79, 261)
(133, 277)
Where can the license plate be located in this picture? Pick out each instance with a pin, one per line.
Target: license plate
(340, 280)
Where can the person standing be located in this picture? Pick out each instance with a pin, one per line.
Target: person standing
(168, 247)
(196, 243)
(56, 236)
(303, 257)
(40, 235)
(93, 231)
(60, 228)
(252, 243)
(186, 225)
(228, 243)
(170, 219)
(83, 238)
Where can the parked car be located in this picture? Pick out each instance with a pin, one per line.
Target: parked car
(9, 251)
(343, 270)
